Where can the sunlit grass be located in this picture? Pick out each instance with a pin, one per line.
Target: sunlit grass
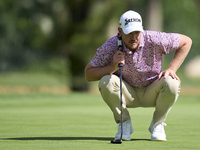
(84, 121)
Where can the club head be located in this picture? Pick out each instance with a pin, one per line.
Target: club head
(118, 141)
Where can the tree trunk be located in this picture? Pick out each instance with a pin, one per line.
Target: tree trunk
(77, 66)
(78, 11)
(154, 15)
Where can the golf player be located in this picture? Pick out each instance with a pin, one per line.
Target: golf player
(144, 82)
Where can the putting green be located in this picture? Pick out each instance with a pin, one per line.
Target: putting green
(84, 121)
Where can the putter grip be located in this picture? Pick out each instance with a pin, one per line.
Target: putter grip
(120, 47)
(120, 65)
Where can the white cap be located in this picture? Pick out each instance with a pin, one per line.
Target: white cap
(131, 21)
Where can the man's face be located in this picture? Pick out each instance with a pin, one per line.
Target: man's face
(131, 40)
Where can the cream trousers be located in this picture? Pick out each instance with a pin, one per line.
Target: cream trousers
(161, 94)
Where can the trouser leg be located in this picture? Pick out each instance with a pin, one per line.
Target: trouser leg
(109, 87)
(167, 96)
(161, 94)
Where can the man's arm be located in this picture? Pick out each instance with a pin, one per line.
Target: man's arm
(96, 73)
(179, 56)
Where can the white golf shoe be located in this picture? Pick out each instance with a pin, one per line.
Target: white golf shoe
(157, 131)
(127, 131)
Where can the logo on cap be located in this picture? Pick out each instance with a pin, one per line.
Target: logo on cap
(127, 21)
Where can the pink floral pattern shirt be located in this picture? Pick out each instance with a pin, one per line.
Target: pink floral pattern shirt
(144, 65)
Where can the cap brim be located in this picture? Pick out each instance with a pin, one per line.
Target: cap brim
(132, 29)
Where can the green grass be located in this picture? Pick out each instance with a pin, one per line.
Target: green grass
(83, 121)
(31, 79)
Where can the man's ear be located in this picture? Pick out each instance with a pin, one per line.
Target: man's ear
(120, 31)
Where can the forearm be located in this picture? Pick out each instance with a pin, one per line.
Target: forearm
(178, 59)
(180, 53)
(96, 73)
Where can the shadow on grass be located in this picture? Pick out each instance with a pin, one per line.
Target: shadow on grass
(66, 138)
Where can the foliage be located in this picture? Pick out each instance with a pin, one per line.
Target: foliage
(39, 31)
(182, 16)
(21, 40)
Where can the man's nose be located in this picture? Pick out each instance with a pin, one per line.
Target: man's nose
(133, 36)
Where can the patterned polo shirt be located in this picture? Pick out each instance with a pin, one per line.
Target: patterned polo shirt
(143, 66)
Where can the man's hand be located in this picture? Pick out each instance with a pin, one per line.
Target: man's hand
(96, 73)
(167, 73)
(118, 57)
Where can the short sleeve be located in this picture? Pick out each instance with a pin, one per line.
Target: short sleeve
(104, 54)
(165, 42)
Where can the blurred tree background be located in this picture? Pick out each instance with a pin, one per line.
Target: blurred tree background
(61, 36)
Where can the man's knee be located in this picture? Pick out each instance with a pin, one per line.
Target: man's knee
(172, 84)
(109, 82)
(104, 81)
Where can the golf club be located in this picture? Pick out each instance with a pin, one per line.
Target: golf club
(120, 65)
